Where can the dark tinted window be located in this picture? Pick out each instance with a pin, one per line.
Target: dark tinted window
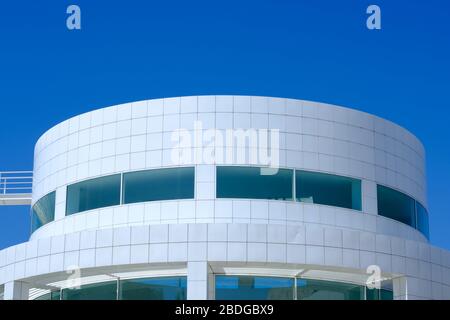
(93, 194)
(254, 288)
(54, 295)
(43, 211)
(158, 184)
(163, 288)
(170, 288)
(396, 205)
(422, 220)
(96, 291)
(250, 183)
(328, 290)
(328, 189)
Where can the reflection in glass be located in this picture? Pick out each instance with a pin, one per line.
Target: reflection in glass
(254, 288)
(396, 205)
(161, 288)
(250, 183)
(422, 220)
(43, 211)
(95, 291)
(328, 290)
(379, 294)
(240, 287)
(92, 194)
(54, 295)
(328, 189)
(169, 288)
(158, 184)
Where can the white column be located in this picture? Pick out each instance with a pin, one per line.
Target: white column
(199, 280)
(16, 290)
(60, 203)
(369, 197)
(205, 186)
(400, 288)
(211, 285)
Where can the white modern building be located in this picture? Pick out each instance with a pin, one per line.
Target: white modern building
(117, 215)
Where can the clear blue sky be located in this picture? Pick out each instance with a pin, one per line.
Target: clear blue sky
(316, 50)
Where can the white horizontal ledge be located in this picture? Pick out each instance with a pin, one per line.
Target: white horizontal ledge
(15, 199)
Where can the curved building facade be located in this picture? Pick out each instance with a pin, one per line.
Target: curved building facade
(227, 197)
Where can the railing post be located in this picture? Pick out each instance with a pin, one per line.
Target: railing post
(3, 183)
(15, 187)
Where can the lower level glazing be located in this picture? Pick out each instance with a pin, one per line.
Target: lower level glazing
(227, 287)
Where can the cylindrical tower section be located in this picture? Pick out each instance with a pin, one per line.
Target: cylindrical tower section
(217, 197)
(310, 138)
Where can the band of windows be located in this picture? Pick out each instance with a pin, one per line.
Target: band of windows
(227, 287)
(235, 182)
(157, 288)
(288, 184)
(141, 186)
(243, 287)
(398, 206)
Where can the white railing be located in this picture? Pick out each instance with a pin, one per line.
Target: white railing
(16, 182)
(16, 187)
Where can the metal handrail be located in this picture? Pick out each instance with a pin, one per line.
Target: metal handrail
(16, 172)
(16, 182)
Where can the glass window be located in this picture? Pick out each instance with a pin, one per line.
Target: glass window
(254, 288)
(422, 220)
(328, 290)
(385, 292)
(158, 184)
(396, 205)
(328, 189)
(249, 183)
(43, 211)
(169, 288)
(54, 295)
(379, 294)
(47, 296)
(92, 194)
(96, 291)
